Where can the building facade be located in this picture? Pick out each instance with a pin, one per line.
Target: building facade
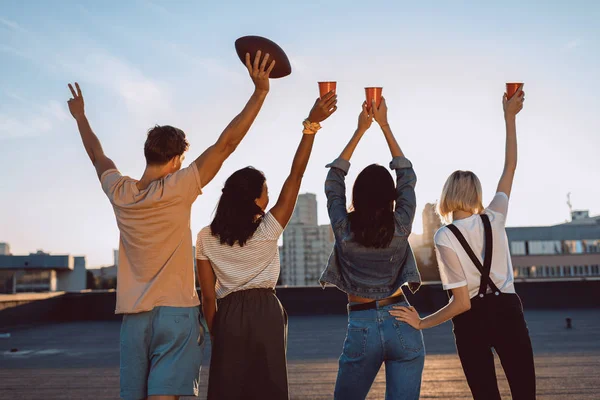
(306, 245)
(431, 224)
(305, 212)
(116, 257)
(423, 246)
(4, 249)
(42, 272)
(566, 250)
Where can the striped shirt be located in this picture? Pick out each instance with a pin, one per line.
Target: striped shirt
(252, 266)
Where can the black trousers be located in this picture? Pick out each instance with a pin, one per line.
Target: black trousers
(248, 359)
(495, 322)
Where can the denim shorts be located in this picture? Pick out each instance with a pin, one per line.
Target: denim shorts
(160, 353)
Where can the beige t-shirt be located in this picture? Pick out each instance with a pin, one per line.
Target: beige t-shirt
(156, 265)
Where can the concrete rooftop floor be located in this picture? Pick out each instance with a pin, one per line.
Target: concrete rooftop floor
(81, 360)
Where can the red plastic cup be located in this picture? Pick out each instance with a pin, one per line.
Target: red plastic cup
(511, 88)
(373, 93)
(326, 87)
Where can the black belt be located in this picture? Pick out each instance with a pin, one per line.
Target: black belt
(377, 303)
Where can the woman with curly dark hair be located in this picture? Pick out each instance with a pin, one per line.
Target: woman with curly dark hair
(238, 267)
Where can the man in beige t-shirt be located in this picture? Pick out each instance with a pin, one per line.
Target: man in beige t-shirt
(160, 354)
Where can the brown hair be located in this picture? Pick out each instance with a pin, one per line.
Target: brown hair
(163, 143)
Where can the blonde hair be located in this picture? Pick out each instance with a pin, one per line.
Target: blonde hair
(461, 192)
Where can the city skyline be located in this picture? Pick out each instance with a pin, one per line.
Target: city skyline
(306, 245)
(143, 63)
(306, 216)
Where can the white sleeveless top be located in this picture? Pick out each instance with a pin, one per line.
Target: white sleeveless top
(457, 269)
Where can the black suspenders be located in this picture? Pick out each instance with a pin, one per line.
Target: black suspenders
(484, 269)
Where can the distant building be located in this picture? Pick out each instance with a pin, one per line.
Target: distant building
(582, 217)
(423, 246)
(306, 245)
(571, 249)
(107, 273)
(282, 263)
(106, 277)
(42, 272)
(4, 249)
(426, 260)
(116, 257)
(415, 240)
(305, 212)
(431, 223)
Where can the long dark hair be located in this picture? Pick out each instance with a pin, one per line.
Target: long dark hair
(236, 217)
(372, 218)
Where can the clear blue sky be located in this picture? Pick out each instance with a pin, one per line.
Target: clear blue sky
(442, 65)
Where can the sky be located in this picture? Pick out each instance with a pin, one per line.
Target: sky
(442, 65)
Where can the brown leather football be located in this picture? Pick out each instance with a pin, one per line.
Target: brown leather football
(251, 44)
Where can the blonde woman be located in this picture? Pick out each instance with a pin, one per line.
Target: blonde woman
(475, 264)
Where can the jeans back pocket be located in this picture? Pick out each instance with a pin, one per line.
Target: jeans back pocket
(410, 338)
(355, 344)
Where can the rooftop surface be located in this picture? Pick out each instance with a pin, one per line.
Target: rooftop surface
(81, 359)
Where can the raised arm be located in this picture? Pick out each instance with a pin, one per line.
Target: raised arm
(90, 141)
(323, 108)
(511, 109)
(380, 115)
(210, 162)
(365, 119)
(335, 184)
(406, 179)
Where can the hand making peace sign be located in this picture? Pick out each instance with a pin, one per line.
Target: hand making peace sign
(76, 105)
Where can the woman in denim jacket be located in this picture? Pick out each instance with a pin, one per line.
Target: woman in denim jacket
(370, 262)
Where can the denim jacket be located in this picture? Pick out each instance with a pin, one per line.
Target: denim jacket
(374, 273)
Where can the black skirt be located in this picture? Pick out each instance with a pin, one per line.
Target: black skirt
(248, 359)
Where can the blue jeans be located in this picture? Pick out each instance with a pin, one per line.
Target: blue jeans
(375, 337)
